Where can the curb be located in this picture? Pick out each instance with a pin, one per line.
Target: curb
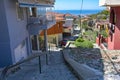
(82, 71)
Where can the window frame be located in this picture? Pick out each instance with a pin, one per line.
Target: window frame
(19, 12)
(113, 17)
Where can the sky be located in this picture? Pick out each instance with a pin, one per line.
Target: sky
(76, 4)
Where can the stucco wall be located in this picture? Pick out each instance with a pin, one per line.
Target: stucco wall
(58, 38)
(111, 43)
(17, 29)
(115, 43)
(117, 29)
(5, 52)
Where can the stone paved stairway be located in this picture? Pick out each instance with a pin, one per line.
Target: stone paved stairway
(55, 70)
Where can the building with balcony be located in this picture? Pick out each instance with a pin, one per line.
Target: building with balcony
(55, 33)
(21, 22)
(62, 29)
(114, 23)
(68, 25)
(41, 22)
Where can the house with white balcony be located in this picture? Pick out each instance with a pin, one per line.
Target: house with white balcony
(68, 25)
(114, 23)
(21, 22)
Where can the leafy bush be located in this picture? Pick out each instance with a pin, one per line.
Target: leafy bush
(80, 40)
(104, 33)
(85, 25)
(83, 43)
(91, 35)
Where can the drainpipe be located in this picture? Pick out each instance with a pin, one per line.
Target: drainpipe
(38, 46)
(46, 45)
(29, 48)
(45, 40)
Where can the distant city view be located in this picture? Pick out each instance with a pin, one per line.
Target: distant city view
(60, 40)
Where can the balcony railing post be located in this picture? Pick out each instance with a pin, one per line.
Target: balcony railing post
(39, 64)
(47, 59)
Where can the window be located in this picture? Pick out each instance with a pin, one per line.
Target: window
(19, 10)
(113, 17)
(41, 11)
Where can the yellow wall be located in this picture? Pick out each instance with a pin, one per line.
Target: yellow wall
(54, 39)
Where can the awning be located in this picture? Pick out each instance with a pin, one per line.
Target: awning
(33, 3)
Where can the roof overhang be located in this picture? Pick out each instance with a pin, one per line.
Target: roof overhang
(33, 3)
(109, 3)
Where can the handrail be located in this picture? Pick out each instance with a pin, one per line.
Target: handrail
(33, 56)
(113, 64)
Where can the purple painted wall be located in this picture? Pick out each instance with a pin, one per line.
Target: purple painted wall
(12, 31)
(5, 51)
(17, 29)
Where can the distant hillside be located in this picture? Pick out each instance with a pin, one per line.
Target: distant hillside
(101, 15)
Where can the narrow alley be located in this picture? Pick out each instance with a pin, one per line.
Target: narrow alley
(55, 70)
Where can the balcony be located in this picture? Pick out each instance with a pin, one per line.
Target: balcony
(68, 23)
(35, 24)
(50, 20)
(109, 2)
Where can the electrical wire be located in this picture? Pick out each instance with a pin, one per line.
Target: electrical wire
(81, 8)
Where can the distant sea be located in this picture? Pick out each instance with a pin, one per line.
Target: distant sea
(78, 12)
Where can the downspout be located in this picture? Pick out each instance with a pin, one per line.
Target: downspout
(29, 39)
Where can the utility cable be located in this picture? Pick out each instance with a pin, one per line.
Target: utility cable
(81, 14)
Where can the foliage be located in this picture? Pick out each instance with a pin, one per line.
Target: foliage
(90, 23)
(84, 25)
(40, 39)
(104, 33)
(80, 42)
(105, 12)
(101, 15)
(91, 35)
(93, 16)
(76, 21)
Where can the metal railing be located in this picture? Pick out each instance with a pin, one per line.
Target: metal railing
(41, 20)
(33, 56)
(37, 20)
(50, 18)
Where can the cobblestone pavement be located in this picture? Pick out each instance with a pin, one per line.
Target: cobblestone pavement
(105, 61)
(56, 70)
